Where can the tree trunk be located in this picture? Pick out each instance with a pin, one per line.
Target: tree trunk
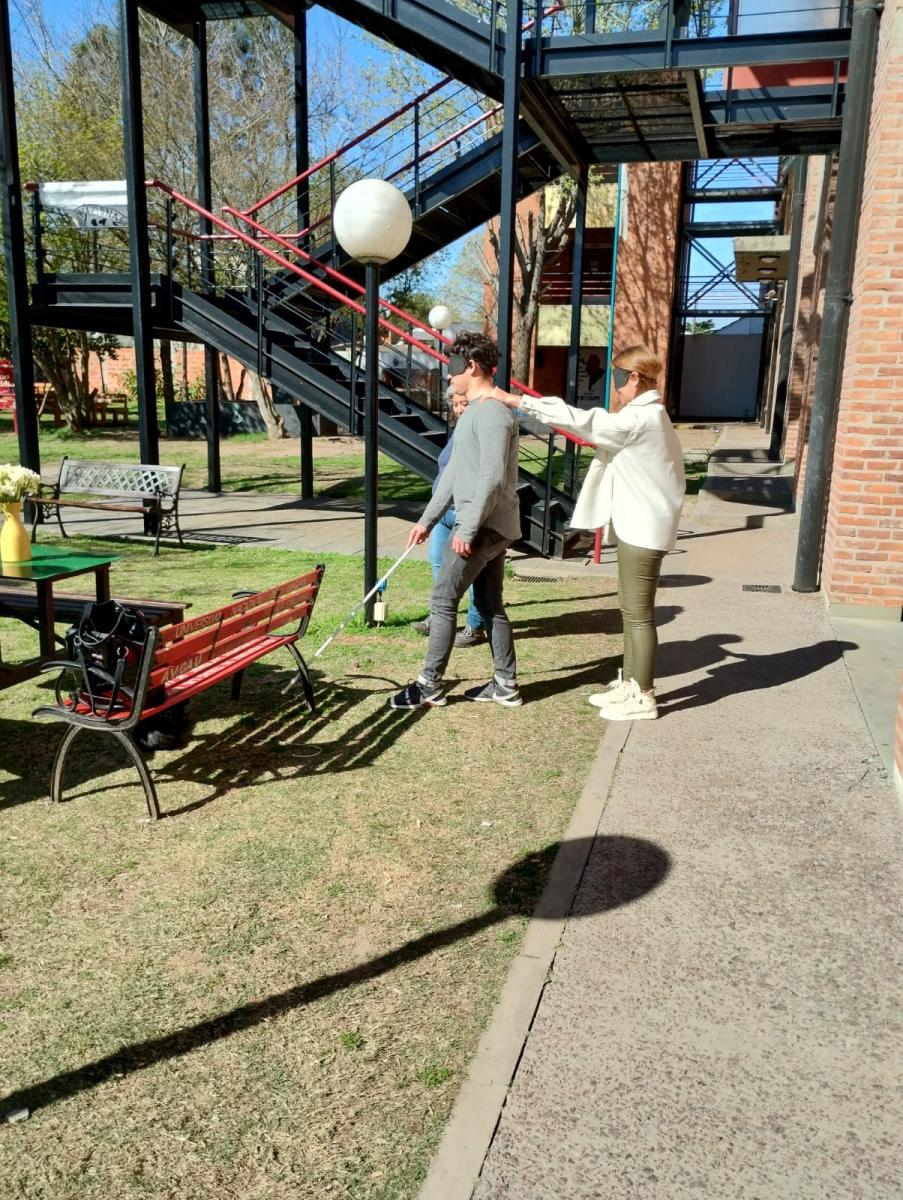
(263, 397)
(225, 378)
(168, 382)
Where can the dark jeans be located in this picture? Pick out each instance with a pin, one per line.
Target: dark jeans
(485, 569)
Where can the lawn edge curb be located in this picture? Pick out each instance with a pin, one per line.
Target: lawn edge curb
(455, 1167)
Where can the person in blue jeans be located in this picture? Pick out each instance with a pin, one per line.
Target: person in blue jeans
(474, 630)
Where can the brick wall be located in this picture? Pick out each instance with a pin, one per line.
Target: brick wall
(187, 363)
(804, 355)
(646, 258)
(863, 558)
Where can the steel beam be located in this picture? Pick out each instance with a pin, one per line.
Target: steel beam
(508, 203)
(735, 229)
(14, 256)
(302, 214)
(205, 199)
(133, 130)
(554, 126)
(627, 53)
(694, 94)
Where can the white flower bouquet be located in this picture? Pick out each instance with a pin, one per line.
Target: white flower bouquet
(16, 483)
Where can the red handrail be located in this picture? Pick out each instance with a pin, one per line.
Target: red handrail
(393, 116)
(334, 274)
(293, 267)
(325, 287)
(465, 129)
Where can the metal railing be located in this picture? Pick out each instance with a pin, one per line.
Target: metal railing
(683, 18)
(431, 131)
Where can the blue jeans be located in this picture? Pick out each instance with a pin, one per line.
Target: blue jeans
(439, 536)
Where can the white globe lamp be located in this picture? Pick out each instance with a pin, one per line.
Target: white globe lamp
(372, 221)
(440, 317)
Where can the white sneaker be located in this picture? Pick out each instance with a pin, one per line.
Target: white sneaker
(634, 706)
(615, 691)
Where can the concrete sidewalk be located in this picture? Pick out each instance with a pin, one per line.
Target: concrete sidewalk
(716, 1016)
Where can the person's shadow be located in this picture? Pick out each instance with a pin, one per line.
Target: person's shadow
(753, 673)
(693, 654)
(543, 885)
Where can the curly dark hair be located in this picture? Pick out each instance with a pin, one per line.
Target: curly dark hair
(482, 349)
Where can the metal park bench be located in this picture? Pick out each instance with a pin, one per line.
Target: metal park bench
(181, 661)
(113, 487)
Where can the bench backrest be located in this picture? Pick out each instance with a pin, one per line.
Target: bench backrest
(180, 648)
(114, 479)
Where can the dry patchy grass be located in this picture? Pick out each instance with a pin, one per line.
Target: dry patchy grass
(275, 991)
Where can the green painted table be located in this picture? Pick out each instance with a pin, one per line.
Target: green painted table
(47, 566)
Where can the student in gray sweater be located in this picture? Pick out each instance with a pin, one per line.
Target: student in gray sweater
(480, 482)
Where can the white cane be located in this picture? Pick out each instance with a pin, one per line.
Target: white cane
(377, 587)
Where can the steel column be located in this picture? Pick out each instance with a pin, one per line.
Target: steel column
(614, 287)
(306, 421)
(208, 281)
(841, 260)
(371, 433)
(14, 257)
(789, 308)
(302, 211)
(508, 206)
(139, 252)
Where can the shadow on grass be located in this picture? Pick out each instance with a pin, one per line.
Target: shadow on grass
(543, 885)
(260, 741)
(17, 758)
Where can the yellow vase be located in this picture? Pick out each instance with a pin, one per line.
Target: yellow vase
(15, 545)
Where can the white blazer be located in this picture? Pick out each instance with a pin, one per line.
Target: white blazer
(636, 480)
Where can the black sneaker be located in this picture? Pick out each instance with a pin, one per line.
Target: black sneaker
(422, 627)
(498, 692)
(419, 694)
(469, 637)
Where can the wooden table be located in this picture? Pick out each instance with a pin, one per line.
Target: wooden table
(115, 407)
(48, 566)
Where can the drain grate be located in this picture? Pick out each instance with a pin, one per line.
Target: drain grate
(222, 539)
(760, 587)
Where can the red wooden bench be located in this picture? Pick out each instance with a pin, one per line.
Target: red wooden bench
(181, 661)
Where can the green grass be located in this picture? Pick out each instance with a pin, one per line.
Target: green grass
(274, 992)
(249, 462)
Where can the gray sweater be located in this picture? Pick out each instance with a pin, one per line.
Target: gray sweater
(481, 477)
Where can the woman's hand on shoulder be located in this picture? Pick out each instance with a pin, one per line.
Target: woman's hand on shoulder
(507, 398)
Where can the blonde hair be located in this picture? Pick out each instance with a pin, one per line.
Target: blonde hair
(644, 361)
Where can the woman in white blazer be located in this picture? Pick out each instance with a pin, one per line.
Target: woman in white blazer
(635, 485)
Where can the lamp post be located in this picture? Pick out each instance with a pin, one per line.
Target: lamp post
(372, 221)
(440, 319)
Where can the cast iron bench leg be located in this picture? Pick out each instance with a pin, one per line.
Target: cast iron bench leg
(59, 762)
(301, 675)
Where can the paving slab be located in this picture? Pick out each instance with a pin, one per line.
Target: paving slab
(728, 1027)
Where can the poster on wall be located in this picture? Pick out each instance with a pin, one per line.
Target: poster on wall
(591, 376)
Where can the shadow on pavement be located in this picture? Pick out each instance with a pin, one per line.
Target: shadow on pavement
(753, 672)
